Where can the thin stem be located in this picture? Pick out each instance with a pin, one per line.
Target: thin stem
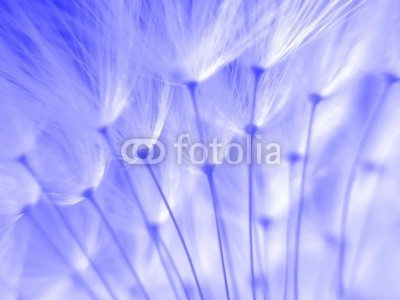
(173, 265)
(229, 258)
(85, 252)
(92, 200)
(27, 166)
(250, 129)
(250, 210)
(301, 201)
(156, 239)
(288, 230)
(126, 178)
(171, 214)
(85, 285)
(218, 219)
(350, 183)
(359, 248)
(170, 280)
(264, 260)
(261, 258)
(192, 89)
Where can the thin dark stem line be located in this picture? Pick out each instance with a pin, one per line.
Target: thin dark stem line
(349, 187)
(359, 247)
(126, 178)
(154, 239)
(27, 166)
(192, 89)
(250, 210)
(178, 230)
(218, 218)
(288, 237)
(87, 288)
(85, 252)
(250, 129)
(260, 258)
(89, 195)
(174, 267)
(266, 292)
(229, 259)
(169, 276)
(301, 201)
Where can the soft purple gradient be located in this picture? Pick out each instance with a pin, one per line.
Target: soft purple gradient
(80, 78)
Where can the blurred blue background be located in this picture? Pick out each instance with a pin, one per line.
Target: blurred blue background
(92, 93)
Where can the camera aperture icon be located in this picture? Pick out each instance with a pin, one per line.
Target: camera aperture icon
(142, 151)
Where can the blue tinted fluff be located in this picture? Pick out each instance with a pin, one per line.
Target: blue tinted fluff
(82, 219)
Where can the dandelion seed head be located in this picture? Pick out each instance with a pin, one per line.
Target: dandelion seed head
(86, 214)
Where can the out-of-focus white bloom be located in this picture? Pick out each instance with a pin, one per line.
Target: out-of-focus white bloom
(79, 79)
